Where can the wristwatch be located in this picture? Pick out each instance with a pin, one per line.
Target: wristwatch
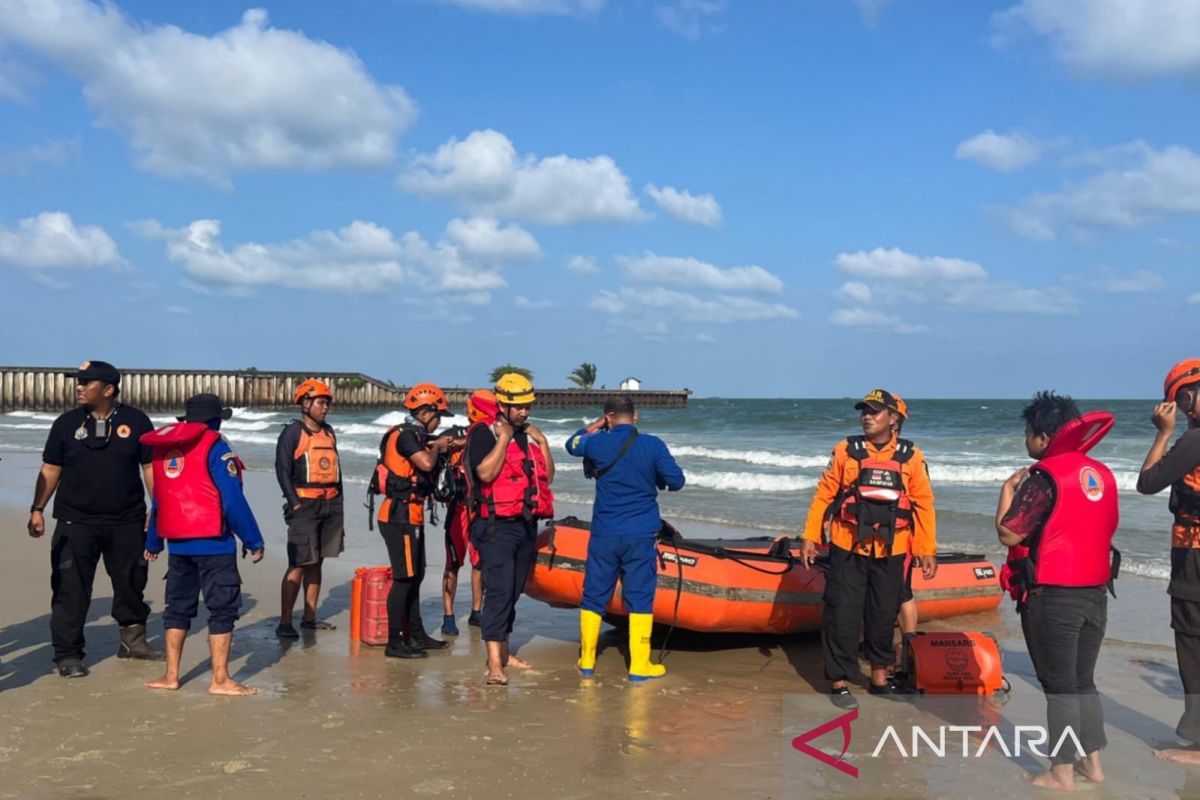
(37, 508)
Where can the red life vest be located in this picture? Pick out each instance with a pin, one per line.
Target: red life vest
(187, 502)
(522, 489)
(1074, 545)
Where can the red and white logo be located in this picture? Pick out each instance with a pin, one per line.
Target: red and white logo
(173, 464)
(1090, 481)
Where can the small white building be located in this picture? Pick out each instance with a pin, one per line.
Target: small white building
(631, 385)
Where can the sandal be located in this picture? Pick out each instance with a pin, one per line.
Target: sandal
(317, 625)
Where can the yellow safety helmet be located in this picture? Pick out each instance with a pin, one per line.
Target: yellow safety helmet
(514, 389)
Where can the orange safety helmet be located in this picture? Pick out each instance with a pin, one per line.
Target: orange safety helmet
(312, 388)
(1184, 373)
(481, 406)
(901, 406)
(426, 394)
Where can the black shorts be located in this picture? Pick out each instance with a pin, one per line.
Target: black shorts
(316, 531)
(217, 577)
(906, 590)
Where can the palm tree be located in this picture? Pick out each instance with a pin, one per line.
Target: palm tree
(583, 376)
(504, 368)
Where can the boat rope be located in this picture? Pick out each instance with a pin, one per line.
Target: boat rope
(673, 536)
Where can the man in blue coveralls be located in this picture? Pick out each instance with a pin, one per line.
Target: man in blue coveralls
(629, 468)
(198, 507)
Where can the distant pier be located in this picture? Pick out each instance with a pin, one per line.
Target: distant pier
(48, 389)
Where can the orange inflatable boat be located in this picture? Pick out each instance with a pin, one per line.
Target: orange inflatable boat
(745, 586)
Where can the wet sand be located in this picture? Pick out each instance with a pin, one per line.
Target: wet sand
(334, 722)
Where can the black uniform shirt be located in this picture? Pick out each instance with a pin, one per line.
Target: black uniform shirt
(101, 481)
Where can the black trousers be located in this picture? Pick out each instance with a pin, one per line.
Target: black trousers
(1185, 620)
(507, 550)
(860, 592)
(1064, 628)
(406, 552)
(75, 550)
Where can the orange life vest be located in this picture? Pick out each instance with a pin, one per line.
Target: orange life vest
(876, 500)
(400, 483)
(316, 472)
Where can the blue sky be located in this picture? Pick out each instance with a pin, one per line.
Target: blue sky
(787, 198)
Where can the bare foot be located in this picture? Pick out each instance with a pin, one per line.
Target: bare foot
(516, 662)
(1048, 780)
(231, 688)
(495, 679)
(163, 683)
(1089, 770)
(1179, 755)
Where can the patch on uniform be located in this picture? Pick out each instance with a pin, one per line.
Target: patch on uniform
(324, 462)
(1089, 480)
(232, 468)
(80, 433)
(575, 442)
(228, 456)
(173, 464)
(123, 431)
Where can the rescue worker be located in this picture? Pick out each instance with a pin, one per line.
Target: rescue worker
(407, 457)
(95, 461)
(1179, 468)
(629, 468)
(481, 407)
(310, 476)
(876, 496)
(198, 508)
(1058, 518)
(509, 472)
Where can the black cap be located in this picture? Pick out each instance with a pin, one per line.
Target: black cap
(96, 371)
(203, 407)
(878, 400)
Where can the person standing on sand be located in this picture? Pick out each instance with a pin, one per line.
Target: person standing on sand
(407, 456)
(93, 458)
(1179, 468)
(310, 475)
(1058, 518)
(481, 407)
(877, 497)
(509, 469)
(629, 468)
(198, 507)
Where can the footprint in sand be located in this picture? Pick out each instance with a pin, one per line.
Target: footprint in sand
(231, 767)
(434, 786)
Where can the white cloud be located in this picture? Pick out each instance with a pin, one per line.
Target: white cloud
(895, 264)
(855, 291)
(658, 303)
(582, 265)
(181, 310)
(1194, 298)
(1004, 152)
(15, 79)
(1138, 282)
(864, 318)
(1152, 185)
(361, 257)
(705, 338)
(871, 11)
(1113, 38)
(26, 159)
(530, 7)
(45, 280)
(51, 240)
(690, 18)
(250, 97)
(1007, 298)
(653, 268)
(701, 209)
(485, 172)
(484, 238)
(522, 301)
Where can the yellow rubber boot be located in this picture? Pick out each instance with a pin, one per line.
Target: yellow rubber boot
(640, 668)
(589, 634)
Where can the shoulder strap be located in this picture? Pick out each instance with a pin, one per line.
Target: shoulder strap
(856, 447)
(600, 473)
(904, 451)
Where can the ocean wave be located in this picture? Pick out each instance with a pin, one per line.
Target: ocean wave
(758, 457)
(245, 413)
(1160, 570)
(24, 426)
(963, 473)
(33, 415)
(235, 425)
(748, 481)
(580, 421)
(241, 437)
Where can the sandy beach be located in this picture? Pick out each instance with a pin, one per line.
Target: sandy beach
(333, 721)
